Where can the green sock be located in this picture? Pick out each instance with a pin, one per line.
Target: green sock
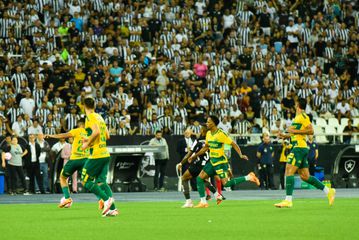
(200, 187)
(66, 192)
(235, 181)
(289, 185)
(106, 188)
(315, 182)
(95, 189)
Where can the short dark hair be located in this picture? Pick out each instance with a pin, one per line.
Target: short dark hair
(158, 131)
(215, 119)
(89, 103)
(302, 103)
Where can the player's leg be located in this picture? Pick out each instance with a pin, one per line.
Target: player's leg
(294, 161)
(305, 176)
(186, 177)
(222, 172)
(207, 171)
(102, 182)
(218, 184)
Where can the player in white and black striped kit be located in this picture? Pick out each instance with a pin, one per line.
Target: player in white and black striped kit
(195, 168)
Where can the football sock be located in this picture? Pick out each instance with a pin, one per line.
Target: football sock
(203, 200)
(235, 181)
(289, 185)
(185, 184)
(219, 186)
(315, 182)
(106, 188)
(208, 192)
(95, 189)
(200, 187)
(210, 187)
(288, 198)
(66, 192)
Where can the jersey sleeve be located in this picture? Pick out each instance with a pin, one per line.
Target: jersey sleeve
(74, 132)
(225, 138)
(305, 121)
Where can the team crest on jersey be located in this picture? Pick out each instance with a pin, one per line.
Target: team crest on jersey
(349, 165)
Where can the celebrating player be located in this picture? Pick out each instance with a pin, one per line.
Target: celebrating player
(77, 159)
(218, 164)
(195, 168)
(96, 167)
(297, 159)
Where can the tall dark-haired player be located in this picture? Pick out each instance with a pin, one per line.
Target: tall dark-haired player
(218, 163)
(195, 168)
(96, 167)
(298, 157)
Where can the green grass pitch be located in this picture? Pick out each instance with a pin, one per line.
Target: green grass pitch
(308, 219)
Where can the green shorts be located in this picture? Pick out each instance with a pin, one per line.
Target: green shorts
(95, 169)
(299, 157)
(72, 166)
(221, 170)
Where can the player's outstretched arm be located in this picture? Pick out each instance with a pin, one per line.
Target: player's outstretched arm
(59, 136)
(199, 153)
(238, 150)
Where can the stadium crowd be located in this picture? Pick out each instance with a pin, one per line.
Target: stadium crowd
(166, 65)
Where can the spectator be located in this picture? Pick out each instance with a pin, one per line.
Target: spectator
(35, 129)
(19, 127)
(349, 129)
(27, 104)
(15, 167)
(33, 165)
(265, 155)
(312, 154)
(44, 160)
(161, 160)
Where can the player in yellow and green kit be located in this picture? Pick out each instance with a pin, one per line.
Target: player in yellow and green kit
(77, 159)
(297, 159)
(96, 167)
(218, 163)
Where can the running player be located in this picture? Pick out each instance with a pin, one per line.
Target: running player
(77, 159)
(218, 164)
(297, 159)
(195, 168)
(96, 167)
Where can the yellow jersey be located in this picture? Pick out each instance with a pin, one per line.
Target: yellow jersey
(216, 142)
(300, 122)
(285, 152)
(76, 151)
(98, 149)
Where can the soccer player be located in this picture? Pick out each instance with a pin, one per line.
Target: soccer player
(77, 159)
(195, 168)
(297, 159)
(218, 164)
(96, 167)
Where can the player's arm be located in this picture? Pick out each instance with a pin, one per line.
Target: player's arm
(283, 135)
(3, 160)
(238, 150)
(107, 134)
(306, 131)
(95, 133)
(59, 136)
(185, 159)
(199, 153)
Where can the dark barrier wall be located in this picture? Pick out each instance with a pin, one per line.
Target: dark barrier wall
(327, 154)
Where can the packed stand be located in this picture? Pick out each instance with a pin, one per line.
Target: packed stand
(166, 65)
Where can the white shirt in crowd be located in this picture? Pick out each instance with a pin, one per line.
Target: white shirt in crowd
(343, 109)
(33, 152)
(28, 106)
(58, 147)
(292, 29)
(226, 127)
(34, 130)
(18, 129)
(42, 157)
(228, 21)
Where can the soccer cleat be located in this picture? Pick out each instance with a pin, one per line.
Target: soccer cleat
(188, 204)
(253, 178)
(66, 203)
(111, 213)
(201, 205)
(208, 197)
(284, 204)
(100, 204)
(331, 196)
(219, 199)
(107, 205)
